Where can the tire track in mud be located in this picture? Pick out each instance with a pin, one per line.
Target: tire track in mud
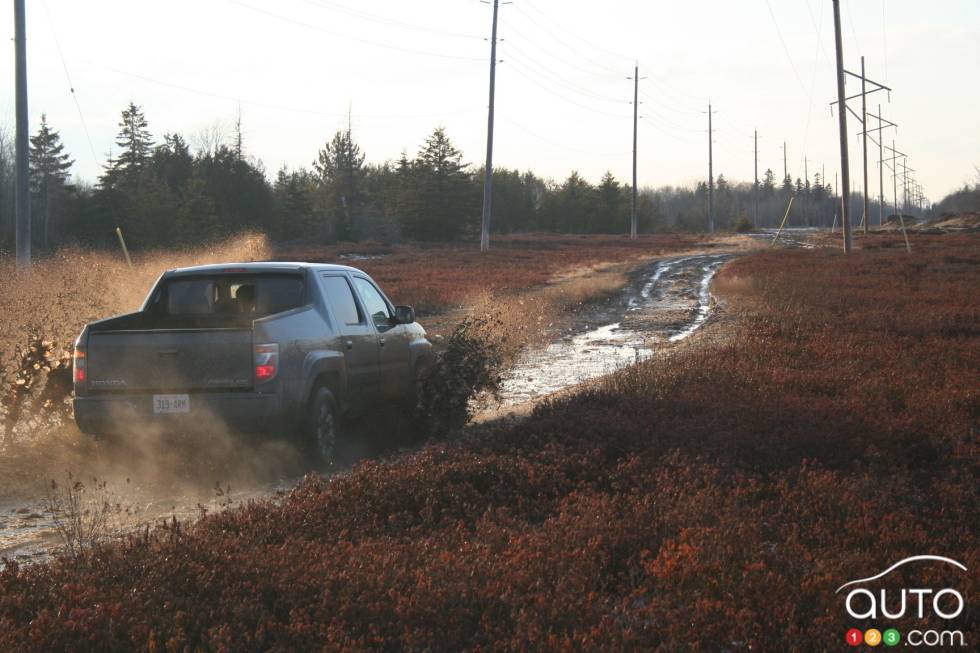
(664, 302)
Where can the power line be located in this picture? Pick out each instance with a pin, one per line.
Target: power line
(525, 74)
(276, 107)
(383, 20)
(379, 44)
(71, 86)
(789, 57)
(588, 42)
(525, 60)
(575, 50)
(561, 59)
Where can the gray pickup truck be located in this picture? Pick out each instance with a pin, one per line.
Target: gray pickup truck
(255, 346)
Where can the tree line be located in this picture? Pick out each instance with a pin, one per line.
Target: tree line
(164, 192)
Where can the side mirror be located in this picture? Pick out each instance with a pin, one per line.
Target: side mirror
(404, 315)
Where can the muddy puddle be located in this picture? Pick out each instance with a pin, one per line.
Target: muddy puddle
(664, 302)
(150, 477)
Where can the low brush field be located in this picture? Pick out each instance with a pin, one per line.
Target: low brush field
(712, 498)
(435, 277)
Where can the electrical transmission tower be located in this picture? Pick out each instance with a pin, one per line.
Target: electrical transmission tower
(863, 119)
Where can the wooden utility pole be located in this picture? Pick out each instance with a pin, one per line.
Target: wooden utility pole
(488, 170)
(880, 142)
(806, 192)
(755, 189)
(22, 193)
(893, 161)
(636, 108)
(711, 178)
(863, 116)
(845, 213)
(864, 142)
(785, 167)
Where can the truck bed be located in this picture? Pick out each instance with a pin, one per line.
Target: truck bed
(134, 354)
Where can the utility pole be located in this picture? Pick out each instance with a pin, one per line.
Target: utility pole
(22, 195)
(845, 218)
(488, 170)
(864, 131)
(880, 142)
(862, 117)
(785, 167)
(893, 164)
(711, 178)
(755, 189)
(806, 192)
(636, 109)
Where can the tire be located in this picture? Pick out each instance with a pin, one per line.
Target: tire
(322, 424)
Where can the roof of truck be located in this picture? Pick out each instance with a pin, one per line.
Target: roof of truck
(267, 266)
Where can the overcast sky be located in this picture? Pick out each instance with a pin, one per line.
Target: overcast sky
(296, 66)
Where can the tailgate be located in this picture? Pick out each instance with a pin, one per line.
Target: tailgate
(163, 360)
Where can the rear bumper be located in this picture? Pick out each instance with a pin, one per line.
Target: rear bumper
(241, 411)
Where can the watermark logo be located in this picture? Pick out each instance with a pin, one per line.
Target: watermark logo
(863, 602)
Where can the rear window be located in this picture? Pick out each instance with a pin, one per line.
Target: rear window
(247, 296)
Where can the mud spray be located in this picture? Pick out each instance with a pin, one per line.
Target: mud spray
(147, 474)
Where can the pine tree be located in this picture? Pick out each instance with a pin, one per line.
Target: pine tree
(136, 145)
(49, 171)
(340, 175)
(172, 162)
(612, 208)
(769, 183)
(436, 196)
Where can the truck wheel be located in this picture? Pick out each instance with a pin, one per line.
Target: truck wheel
(322, 425)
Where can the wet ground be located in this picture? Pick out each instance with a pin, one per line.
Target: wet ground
(664, 302)
(150, 477)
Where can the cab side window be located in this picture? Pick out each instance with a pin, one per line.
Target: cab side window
(374, 304)
(340, 299)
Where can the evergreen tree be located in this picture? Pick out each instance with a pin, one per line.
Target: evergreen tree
(135, 145)
(612, 213)
(172, 162)
(49, 172)
(769, 183)
(340, 178)
(787, 187)
(293, 193)
(196, 217)
(436, 198)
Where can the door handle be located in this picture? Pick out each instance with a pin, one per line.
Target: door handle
(349, 344)
(381, 341)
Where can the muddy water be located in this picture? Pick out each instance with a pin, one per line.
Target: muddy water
(150, 476)
(665, 302)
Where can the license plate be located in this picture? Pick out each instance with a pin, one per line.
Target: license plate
(163, 404)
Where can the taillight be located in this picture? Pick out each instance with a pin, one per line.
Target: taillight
(78, 365)
(266, 362)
